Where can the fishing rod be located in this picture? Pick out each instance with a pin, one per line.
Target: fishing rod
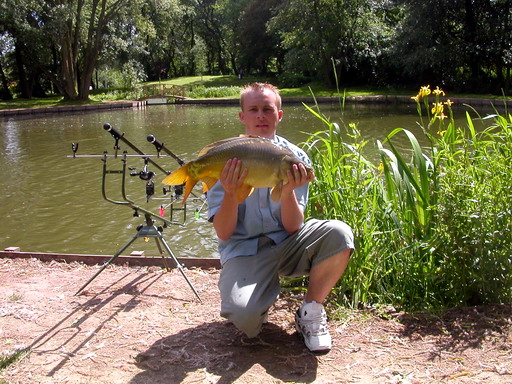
(160, 146)
(118, 136)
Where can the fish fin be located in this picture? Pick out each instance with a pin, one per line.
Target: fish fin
(211, 146)
(243, 192)
(218, 143)
(275, 193)
(189, 185)
(181, 176)
(208, 183)
(206, 149)
(178, 177)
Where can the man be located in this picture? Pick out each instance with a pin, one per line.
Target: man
(260, 240)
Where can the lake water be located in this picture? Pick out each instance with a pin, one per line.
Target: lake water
(53, 203)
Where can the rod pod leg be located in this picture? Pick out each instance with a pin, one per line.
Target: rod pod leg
(146, 231)
(109, 261)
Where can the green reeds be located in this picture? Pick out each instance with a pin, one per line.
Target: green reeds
(433, 225)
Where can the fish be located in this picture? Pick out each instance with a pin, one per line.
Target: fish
(267, 164)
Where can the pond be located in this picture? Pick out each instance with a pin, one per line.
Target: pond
(53, 203)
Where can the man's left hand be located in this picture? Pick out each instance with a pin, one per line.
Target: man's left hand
(297, 177)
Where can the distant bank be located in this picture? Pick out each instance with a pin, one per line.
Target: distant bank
(500, 104)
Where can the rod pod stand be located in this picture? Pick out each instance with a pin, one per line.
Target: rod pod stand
(144, 231)
(148, 230)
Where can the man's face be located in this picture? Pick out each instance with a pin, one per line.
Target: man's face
(260, 113)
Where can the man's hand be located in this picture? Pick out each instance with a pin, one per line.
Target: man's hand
(291, 213)
(297, 177)
(231, 178)
(226, 217)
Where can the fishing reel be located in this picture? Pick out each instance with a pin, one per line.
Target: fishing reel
(177, 189)
(146, 175)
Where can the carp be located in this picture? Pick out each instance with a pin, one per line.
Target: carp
(267, 164)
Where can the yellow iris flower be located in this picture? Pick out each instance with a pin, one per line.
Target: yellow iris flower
(438, 108)
(424, 91)
(438, 91)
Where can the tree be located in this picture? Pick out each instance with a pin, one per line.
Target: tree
(172, 43)
(208, 25)
(80, 42)
(16, 30)
(352, 33)
(465, 44)
(258, 46)
(5, 93)
(61, 38)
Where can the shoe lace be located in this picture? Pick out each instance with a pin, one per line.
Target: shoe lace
(315, 323)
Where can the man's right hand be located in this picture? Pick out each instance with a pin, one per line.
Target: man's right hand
(231, 178)
(226, 217)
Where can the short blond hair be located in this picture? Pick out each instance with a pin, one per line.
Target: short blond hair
(260, 87)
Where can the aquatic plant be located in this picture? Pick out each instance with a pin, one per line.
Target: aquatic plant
(432, 224)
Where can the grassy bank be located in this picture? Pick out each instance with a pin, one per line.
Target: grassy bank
(206, 87)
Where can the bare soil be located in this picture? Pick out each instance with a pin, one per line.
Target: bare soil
(144, 325)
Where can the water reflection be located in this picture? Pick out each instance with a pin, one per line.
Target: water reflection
(52, 203)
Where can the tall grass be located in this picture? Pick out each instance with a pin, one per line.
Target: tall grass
(433, 225)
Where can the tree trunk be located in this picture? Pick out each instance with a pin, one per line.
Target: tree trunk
(67, 82)
(5, 93)
(101, 14)
(470, 31)
(24, 86)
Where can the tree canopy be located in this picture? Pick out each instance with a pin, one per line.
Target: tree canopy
(70, 46)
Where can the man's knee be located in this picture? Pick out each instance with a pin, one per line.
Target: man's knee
(339, 235)
(247, 320)
(342, 229)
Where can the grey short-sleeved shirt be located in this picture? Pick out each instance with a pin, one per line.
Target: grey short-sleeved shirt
(258, 215)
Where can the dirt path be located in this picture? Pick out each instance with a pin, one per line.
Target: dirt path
(134, 325)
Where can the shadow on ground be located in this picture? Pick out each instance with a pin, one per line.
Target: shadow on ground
(458, 329)
(219, 350)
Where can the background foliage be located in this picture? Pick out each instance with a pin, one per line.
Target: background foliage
(71, 46)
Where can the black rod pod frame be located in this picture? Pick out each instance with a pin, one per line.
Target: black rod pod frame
(149, 229)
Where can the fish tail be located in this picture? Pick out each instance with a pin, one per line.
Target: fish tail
(179, 177)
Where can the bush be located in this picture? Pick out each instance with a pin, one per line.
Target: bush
(202, 92)
(291, 80)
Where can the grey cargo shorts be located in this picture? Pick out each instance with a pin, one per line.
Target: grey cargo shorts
(249, 285)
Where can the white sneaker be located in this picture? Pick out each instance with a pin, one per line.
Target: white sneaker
(311, 323)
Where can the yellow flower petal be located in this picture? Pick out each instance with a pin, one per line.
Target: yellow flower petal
(425, 90)
(438, 91)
